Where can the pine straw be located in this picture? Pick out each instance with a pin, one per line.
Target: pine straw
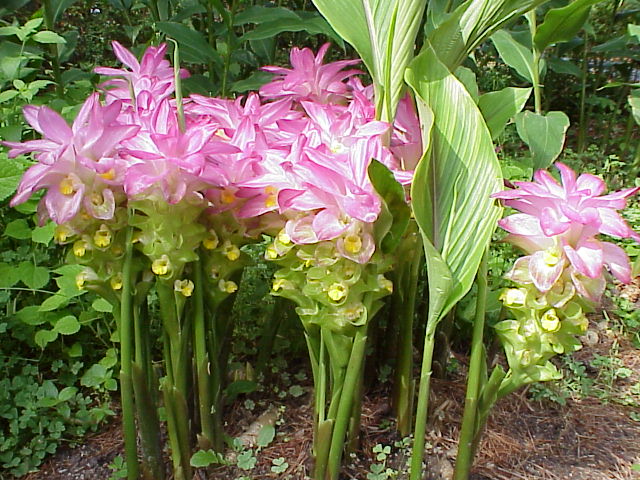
(584, 440)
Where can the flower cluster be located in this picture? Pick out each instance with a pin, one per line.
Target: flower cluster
(292, 159)
(566, 264)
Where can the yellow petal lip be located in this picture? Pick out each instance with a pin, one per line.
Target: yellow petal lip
(161, 266)
(185, 287)
(337, 292)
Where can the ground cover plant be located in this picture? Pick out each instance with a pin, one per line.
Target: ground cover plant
(181, 184)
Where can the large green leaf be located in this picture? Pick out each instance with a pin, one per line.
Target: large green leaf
(514, 54)
(499, 107)
(383, 33)
(562, 24)
(454, 180)
(544, 134)
(471, 23)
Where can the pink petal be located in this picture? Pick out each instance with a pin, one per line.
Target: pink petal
(125, 56)
(590, 184)
(617, 261)
(542, 274)
(587, 258)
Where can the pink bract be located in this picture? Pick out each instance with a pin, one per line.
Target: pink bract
(310, 79)
(559, 225)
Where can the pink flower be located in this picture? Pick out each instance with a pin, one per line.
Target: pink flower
(558, 228)
(153, 74)
(558, 207)
(309, 79)
(78, 165)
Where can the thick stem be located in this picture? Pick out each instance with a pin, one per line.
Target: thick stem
(146, 406)
(350, 388)
(464, 459)
(404, 385)
(176, 381)
(423, 401)
(206, 439)
(126, 360)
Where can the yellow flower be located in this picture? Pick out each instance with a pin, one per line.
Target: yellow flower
(211, 241)
(62, 233)
(79, 248)
(102, 237)
(108, 175)
(185, 287)
(116, 281)
(353, 243)
(337, 292)
(161, 266)
(550, 321)
(514, 297)
(271, 253)
(279, 283)
(283, 238)
(66, 186)
(552, 256)
(230, 251)
(227, 286)
(81, 278)
(227, 196)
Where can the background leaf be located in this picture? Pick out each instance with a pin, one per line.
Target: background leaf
(562, 24)
(544, 134)
(514, 54)
(499, 107)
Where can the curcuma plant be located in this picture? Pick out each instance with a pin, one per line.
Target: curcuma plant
(355, 186)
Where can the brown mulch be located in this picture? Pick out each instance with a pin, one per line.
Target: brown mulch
(524, 439)
(584, 440)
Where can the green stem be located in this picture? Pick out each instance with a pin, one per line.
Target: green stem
(126, 359)
(53, 49)
(143, 385)
(582, 133)
(537, 92)
(207, 439)
(464, 459)
(176, 382)
(488, 399)
(178, 84)
(350, 387)
(423, 401)
(405, 300)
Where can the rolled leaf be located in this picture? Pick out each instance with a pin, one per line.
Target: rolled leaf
(383, 33)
